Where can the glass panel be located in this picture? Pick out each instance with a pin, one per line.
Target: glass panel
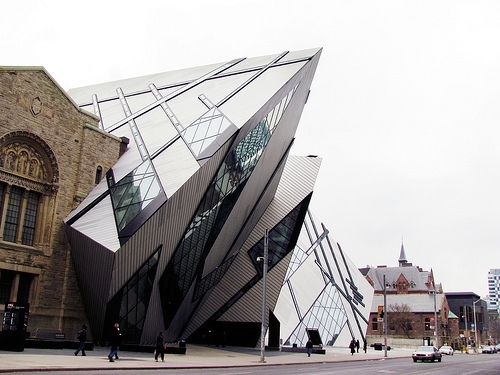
(204, 131)
(2, 192)
(12, 216)
(327, 314)
(30, 218)
(279, 240)
(213, 212)
(134, 192)
(133, 301)
(298, 257)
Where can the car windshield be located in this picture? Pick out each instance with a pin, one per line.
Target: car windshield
(425, 349)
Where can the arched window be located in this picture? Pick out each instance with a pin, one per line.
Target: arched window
(19, 219)
(402, 287)
(28, 172)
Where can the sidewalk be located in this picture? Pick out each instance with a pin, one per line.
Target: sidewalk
(195, 357)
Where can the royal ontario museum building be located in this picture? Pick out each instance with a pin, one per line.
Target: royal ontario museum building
(173, 236)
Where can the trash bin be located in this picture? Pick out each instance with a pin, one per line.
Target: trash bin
(182, 344)
(377, 346)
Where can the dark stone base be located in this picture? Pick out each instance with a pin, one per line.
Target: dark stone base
(301, 349)
(12, 341)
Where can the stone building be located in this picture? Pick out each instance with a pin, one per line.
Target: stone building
(52, 154)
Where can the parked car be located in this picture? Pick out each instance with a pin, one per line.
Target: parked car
(426, 353)
(487, 349)
(446, 349)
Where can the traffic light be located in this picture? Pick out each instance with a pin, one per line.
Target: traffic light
(380, 311)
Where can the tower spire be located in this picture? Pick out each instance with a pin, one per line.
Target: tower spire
(402, 256)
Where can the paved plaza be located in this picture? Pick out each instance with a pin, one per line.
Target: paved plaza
(195, 357)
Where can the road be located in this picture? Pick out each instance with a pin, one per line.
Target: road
(482, 364)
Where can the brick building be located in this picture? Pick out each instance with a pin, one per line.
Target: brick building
(52, 154)
(412, 306)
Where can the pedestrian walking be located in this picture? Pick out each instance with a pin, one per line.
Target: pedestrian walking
(352, 346)
(357, 346)
(114, 341)
(160, 348)
(309, 347)
(364, 345)
(82, 338)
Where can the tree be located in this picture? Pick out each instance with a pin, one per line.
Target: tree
(401, 318)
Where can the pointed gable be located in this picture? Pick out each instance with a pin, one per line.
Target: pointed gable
(402, 284)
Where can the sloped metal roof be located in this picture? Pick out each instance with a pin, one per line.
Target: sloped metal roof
(157, 112)
(419, 303)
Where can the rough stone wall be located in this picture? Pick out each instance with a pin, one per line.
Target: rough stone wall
(32, 103)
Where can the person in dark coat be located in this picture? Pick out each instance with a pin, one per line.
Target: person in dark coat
(352, 345)
(309, 347)
(114, 342)
(160, 349)
(364, 345)
(357, 346)
(82, 338)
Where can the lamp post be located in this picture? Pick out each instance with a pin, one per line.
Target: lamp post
(466, 332)
(475, 322)
(436, 343)
(264, 260)
(385, 319)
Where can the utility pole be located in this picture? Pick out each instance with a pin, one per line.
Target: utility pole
(466, 332)
(264, 287)
(385, 319)
(436, 343)
(475, 322)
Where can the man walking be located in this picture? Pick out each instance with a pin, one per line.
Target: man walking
(82, 338)
(309, 347)
(114, 342)
(160, 349)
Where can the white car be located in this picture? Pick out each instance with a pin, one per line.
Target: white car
(446, 349)
(487, 349)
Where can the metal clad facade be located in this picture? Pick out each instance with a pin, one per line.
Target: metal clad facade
(94, 266)
(187, 141)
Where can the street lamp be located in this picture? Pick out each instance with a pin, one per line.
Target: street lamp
(385, 319)
(466, 332)
(264, 260)
(436, 343)
(475, 323)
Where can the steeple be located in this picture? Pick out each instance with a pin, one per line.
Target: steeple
(402, 256)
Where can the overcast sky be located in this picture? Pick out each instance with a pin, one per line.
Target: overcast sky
(404, 107)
